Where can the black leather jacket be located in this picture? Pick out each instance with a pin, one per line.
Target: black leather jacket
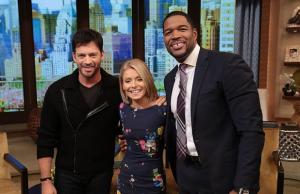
(84, 137)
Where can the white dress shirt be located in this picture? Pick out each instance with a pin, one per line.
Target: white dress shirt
(191, 61)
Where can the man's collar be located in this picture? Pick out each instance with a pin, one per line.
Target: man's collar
(192, 58)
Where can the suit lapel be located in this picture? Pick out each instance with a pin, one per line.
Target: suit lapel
(199, 75)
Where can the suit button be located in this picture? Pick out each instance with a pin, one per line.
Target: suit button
(197, 140)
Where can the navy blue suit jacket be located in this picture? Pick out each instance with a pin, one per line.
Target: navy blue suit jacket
(226, 121)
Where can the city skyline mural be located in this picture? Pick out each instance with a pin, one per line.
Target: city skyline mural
(54, 23)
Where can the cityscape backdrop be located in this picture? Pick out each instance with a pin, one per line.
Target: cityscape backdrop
(54, 22)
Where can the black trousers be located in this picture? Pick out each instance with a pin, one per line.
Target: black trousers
(67, 182)
(192, 178)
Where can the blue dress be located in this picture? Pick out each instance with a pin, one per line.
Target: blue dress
(141, 170)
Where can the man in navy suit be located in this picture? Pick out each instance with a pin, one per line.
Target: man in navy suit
(214, 132)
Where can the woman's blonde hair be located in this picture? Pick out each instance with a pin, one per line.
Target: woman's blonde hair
(141, 68)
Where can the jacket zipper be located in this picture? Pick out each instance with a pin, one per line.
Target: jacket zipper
(91, 113)
(66, 108)
(74, 154)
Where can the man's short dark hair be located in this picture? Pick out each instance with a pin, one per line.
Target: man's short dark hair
(180, 13)
(85, 36)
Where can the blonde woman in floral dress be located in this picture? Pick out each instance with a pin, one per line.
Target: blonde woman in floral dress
(143, 123)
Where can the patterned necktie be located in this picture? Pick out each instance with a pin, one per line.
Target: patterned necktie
(180, 120)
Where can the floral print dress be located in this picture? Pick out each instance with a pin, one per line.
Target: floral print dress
(141, 170)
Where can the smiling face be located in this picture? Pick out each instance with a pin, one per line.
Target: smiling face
(134, 87)
(136, 84)
(88, 58)
(179, 36)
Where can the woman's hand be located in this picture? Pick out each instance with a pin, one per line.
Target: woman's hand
(123, 143)
(161, 100)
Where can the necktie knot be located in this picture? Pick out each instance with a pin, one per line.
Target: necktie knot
(183, 67)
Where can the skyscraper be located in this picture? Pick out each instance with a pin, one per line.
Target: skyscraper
(227, 25)
(61, 56)
(38, 24)
(150, 45)
(96, 16)
(210, 24)
(13, 66)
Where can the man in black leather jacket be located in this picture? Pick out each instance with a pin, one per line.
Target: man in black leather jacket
(80, 118)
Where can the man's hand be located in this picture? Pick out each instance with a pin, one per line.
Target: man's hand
(123, 143)
(45, 169)
(48, 187)
(161, 100)
(233, 192)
